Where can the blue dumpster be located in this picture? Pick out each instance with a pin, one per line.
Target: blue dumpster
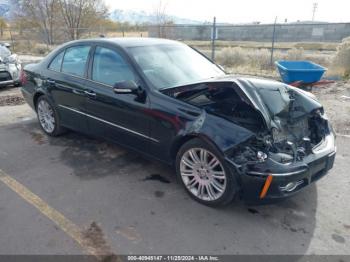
(305, 71)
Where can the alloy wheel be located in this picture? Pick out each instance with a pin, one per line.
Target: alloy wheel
(46, 116)
(203, 174)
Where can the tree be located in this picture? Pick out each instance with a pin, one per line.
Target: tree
(162, 19)
(80, 15)
(3, 25)
(108, 24)
(39, 13)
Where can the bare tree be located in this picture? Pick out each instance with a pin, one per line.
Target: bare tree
(3, 25)
(40, 14)
(162, 19)
(80, 15)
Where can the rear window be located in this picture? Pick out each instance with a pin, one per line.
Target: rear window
(74, 61)
(57, 62)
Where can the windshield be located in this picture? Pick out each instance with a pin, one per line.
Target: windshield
(167, 66)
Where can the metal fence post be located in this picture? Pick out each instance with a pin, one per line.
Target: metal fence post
(213, 37)
(273, 41)
(12, 42)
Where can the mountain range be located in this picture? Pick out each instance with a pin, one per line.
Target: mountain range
(4, 8)
(130, 16)
(142, 17)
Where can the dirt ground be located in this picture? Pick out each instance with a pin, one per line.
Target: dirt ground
(12, 106)
(336, 101)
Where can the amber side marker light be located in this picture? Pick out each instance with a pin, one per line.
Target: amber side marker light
(266, 187)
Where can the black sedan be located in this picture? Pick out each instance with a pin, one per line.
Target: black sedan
(227, 137)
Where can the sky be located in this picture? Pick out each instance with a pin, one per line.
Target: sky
(244, 11)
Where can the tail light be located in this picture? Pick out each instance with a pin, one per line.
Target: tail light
(23, 77)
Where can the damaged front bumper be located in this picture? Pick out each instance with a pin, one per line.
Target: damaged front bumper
(271, 180)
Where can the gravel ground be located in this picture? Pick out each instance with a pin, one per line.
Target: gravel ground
(11, 100)
(336, 101)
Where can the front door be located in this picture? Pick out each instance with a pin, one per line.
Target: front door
(118, 117)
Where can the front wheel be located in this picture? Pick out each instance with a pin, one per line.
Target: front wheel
(48, 117)
(204, 173)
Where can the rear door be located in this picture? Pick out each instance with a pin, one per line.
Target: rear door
(119, 117)
(66, 79)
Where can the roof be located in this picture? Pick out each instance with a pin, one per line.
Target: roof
(132, 41)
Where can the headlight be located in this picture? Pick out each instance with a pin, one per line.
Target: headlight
(12, 59)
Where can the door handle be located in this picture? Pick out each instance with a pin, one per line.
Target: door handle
(78, 92)
(90, 93)
(51, 82)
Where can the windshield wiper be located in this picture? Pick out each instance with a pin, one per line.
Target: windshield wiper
(184, 89)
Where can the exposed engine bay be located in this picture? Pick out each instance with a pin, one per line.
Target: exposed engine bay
(287, 123)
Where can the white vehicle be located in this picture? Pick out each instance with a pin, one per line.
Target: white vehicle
(10, 67)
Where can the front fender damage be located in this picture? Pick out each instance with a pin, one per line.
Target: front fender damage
(224, 135)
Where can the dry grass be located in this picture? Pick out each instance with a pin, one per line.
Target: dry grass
(296, 54)
(278, 45)
(341, 61)
(258, 61)
(31, 47)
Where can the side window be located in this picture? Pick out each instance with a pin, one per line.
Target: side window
(109, 67)
(56, 62)
(74, 61)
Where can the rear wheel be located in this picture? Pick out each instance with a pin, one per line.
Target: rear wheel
(48, 117)
(204, 173)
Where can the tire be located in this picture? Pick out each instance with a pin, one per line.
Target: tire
(197, 177)
(45, 112)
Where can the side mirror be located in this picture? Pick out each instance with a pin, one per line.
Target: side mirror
(126, 87)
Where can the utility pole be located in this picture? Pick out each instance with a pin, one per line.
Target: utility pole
(314, 8)
(213, 36)
(273, 41)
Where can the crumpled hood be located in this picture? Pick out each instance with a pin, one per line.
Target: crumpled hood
(273, 98)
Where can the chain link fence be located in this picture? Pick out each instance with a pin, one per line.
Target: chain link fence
(35, 41)
(241, 47)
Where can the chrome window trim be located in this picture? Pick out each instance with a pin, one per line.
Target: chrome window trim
(96, 82)
(64, 53)
(83, 78)
(109, 123)
(80, 77)
(77, 76)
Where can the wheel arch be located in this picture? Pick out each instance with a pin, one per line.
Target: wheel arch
(36, 97)
(184, 139)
